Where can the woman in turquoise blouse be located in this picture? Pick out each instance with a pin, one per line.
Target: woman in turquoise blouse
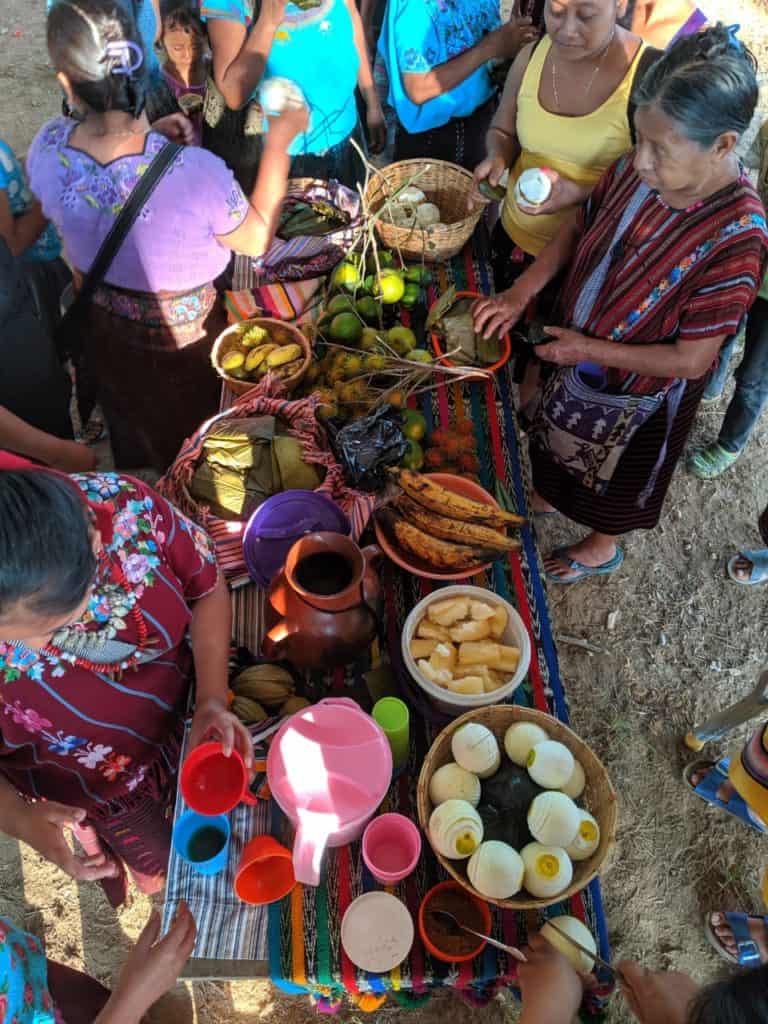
(437, 54)
(323, 51)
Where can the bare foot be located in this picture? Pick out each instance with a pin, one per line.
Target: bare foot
(742, 568)
(757, 932)
(724, 791)
(594, 550)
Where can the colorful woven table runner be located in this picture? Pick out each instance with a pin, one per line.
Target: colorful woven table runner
(304, 929)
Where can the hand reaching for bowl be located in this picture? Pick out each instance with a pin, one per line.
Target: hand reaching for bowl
(498, 313)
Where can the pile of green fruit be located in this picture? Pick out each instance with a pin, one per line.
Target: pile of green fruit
(382, 281)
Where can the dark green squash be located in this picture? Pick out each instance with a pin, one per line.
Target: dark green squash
(504, 802)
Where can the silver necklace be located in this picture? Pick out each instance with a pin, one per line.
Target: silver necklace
(599, 64)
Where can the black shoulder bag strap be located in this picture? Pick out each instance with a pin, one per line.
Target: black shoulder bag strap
(115, 237)
(649, 56)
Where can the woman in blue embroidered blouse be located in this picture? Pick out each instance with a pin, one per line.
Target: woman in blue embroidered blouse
(323, 51)
(437, 55)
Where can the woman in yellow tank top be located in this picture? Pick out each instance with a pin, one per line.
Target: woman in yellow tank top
(565, 108)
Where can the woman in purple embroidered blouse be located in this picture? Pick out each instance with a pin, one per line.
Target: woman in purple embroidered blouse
(151, 324)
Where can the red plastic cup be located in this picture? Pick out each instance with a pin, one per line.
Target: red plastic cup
(212, 783)
(265, 871)
(437, 953)
(391, 848)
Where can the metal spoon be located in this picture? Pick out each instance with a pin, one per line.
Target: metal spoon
(456, 927)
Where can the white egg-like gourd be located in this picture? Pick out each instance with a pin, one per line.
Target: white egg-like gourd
(496, 870)
(553, 819)
(427, 214)
(548, 870)
(574, 787)
(587, 838)
(411, 196)
(550, 764)
(455, 829)
(474, 747)
(279, 94)
(579, 933)
(452, 782)
(520, 739)
(533, 187)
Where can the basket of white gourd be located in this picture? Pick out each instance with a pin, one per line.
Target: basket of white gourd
(422, 208)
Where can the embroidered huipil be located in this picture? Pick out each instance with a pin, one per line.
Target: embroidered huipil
(88, 738)
(24, 995)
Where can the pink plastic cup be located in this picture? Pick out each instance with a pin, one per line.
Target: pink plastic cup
(391, 848)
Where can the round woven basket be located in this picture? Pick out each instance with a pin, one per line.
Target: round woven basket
(446, 185)
(599, 797)
(281, 332)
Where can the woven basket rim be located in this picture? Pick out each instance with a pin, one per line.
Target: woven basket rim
(242, 387)
(502, 716)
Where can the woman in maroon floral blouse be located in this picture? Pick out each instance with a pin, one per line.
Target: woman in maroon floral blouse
(101, 581)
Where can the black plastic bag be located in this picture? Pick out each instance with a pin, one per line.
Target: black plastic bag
(368, 446)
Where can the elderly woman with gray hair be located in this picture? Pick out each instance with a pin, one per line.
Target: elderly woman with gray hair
(661, 267)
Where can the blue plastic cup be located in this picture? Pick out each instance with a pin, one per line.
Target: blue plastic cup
(194, 836)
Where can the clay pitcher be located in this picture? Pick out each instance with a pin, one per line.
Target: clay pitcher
(323, 608)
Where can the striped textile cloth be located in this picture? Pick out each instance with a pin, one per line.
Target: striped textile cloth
(303, 930)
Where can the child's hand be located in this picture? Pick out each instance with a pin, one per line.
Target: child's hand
(284, 128)
(551, 989)
(152, 968)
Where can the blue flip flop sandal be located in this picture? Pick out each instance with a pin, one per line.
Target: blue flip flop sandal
(584, 571)
(748, 952)
(707, 789)
(759, 572)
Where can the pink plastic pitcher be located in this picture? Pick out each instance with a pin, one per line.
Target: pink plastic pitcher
(329, 768)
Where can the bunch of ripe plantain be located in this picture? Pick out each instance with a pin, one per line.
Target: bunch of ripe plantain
(445, 530)
(264, 690)
(259, 351)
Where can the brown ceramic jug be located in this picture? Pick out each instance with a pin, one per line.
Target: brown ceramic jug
(323, 609)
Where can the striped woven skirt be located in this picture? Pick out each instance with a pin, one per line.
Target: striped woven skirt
(616, 511)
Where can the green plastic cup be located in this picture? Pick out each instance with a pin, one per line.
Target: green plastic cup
(393, 717)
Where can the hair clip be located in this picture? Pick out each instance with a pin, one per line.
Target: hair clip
(732, 35)
(127, 55)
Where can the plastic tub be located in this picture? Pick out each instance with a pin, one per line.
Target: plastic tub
(515, 635)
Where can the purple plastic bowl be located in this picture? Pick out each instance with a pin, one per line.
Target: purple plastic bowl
(279, 522)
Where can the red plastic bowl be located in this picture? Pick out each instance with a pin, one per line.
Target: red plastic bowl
(506, 341)
(212, 783)
(459, 485)
(438, 954)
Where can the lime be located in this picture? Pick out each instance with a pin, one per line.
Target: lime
(369, 309)
(419, 355)
(414, 457)
(390, 286)
(345, 276)
(402, 339)
(368, 284)
(418, 275)
(346, 327)
(414, 425)
(338, 304)
(411, 295)
(396, 397)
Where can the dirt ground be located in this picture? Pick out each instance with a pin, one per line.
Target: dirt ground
(684, 642)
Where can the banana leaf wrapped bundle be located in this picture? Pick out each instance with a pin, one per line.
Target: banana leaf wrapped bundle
(312, 218)
(244, 462)
(451, 319)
